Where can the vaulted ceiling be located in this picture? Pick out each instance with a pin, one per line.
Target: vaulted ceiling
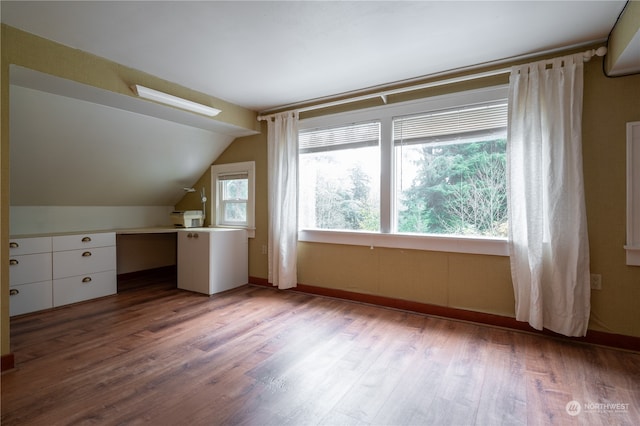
(73, 144)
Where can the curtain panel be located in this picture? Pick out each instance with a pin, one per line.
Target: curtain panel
(282, 157)
(548, 238)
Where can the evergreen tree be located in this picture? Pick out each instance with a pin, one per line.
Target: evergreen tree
(459, 189)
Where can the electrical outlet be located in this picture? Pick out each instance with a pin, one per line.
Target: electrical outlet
(596, 282)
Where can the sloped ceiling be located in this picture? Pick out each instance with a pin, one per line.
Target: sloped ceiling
(623, 57)
(67, 151)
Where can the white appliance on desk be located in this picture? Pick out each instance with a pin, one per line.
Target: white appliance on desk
(187, 219)
(211, 260)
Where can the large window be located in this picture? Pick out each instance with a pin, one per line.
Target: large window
(339, 177)
(450, 171)
(426, 174)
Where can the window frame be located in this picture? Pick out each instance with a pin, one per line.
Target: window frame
(339, 148)
(632, 245)
(386, 237)
(223, 179)
(217, 170)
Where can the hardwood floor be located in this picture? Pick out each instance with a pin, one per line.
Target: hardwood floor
(157, 355)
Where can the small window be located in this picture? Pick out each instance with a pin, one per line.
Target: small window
(234, 197)
(233, 191)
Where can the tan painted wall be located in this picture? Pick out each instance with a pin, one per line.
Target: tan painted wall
(483, 283)
(4, 198)
(478, 283)
(609, 103)
(139, 252)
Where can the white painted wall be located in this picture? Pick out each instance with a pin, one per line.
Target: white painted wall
(69, 152)
(27, 220)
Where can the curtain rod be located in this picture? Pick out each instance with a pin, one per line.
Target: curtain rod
(587, 55)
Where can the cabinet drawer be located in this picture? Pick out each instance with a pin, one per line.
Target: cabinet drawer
(29, 268)
(30, 298)
(84, 287)
(19, 246)
(78, 262)
(82, 241)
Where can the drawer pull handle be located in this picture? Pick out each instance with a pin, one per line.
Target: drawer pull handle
(13, 292)
(13, 261)
(195, 235)
(86, 280)
(86, 239)
(86, 254)
(13, 244)
(189, 235)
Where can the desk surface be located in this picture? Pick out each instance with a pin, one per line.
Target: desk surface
(165, 230)
(154, 230)
(125, 231)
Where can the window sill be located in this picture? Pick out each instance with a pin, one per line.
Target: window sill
(453, 244)
(633, 255)
(251, 232)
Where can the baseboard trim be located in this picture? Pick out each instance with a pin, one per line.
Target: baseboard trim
(593, 337)
(7, 362)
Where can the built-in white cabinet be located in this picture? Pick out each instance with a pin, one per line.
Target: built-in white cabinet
(57, 270)
(84, 267)
(211, 260)
(52, 271)
(30, 284)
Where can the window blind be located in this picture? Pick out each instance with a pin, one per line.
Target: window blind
(233, 176)
(345, 137)
(461, 123)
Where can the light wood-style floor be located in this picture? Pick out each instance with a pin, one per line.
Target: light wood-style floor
(258, 356)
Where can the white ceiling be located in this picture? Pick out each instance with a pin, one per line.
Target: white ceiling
(70, 152)
(266, 54)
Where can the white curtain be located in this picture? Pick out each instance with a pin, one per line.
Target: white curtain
(548, 239)
(282, 151)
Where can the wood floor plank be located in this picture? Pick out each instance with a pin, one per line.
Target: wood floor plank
(374, 387)
(410, 401)
(503, 399)
(154, 354)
